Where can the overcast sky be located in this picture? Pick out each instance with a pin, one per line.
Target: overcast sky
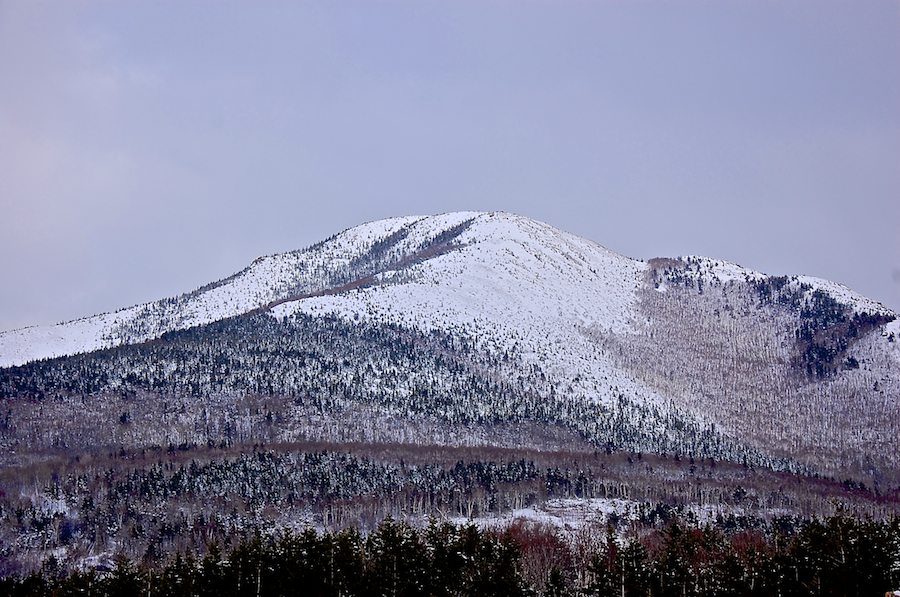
(147, 148)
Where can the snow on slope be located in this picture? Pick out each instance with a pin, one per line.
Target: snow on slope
(514, 285)
(267, 279)
(510, 283)
(717, 270)
(27, 344)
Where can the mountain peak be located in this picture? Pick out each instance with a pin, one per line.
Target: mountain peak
(452, 268)
(521, 322)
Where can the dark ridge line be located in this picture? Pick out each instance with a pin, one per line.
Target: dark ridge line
(367, 280)
(362, 282)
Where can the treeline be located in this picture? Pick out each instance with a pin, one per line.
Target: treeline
(840, 556)
(321, 367)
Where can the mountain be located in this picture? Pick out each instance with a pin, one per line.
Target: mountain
(481, 339)
(796, 368)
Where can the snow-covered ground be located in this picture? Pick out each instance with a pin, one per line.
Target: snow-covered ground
(266, 280)
(574, 514)
(510, 284)
(39, 342)
(717, 270)
(513, 285)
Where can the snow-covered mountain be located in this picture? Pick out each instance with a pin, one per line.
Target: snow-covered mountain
(795, 370)
(455, 268)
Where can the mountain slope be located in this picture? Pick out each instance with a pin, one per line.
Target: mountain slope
(332, 263)
(510, 322)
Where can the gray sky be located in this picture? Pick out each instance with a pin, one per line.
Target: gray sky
(147, 148)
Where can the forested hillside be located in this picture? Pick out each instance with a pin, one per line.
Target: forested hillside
(785, 367)
(255, 379)
(472, 366)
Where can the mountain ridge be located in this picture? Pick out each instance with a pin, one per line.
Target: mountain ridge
(668, 345)
(467, 365)
(273, 267)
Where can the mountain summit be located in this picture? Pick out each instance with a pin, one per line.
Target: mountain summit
(469, 328)
(492, 265)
